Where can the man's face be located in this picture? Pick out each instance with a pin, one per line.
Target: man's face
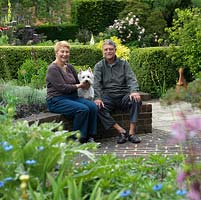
(109, 52)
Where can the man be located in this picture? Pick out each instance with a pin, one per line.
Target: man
(115, 86)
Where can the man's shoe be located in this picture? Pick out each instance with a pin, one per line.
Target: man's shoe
(122, 138)
(83, 140)
(134, 139)
(91, 140)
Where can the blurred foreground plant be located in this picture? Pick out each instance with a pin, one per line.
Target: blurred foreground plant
(189, 176)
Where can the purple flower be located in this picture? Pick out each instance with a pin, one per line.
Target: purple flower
(1, 184)
(181, 192)
(125, 193)
(30, 162)
(8, 179)
(8, 147)
(157, 187)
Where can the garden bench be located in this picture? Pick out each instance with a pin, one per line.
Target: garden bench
(144, 123)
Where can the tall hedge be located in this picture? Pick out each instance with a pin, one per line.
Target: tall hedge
(95, 15)
(154, 69)
(12, 57)
(58, 32)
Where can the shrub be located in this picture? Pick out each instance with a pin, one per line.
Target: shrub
(127, 29)
(186, 33)
(154, 70)
(33, 72)
(95, 15)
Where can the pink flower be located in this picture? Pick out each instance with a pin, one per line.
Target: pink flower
(180, 177)
(178, 132)
(193, 194)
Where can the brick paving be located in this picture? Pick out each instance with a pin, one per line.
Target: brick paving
(157, 141)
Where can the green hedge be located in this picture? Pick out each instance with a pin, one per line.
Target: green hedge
(95, 15)
(58, 32)
(154, 69)
(12, 57)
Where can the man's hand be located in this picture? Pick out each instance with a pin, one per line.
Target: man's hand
(135, 96)
(99, 103)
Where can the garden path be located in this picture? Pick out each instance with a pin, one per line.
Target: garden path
(158, 140)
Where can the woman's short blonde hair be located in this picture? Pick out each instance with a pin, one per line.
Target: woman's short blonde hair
(60, 45)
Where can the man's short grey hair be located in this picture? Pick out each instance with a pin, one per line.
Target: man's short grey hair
(110, 42)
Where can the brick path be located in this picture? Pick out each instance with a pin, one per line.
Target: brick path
(157, 141)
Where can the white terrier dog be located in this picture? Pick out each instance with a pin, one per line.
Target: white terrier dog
(88, 77)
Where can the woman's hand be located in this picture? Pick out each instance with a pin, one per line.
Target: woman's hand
(83, 85)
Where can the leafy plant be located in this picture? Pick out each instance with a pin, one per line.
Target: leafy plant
(33, 72)
(186, 33)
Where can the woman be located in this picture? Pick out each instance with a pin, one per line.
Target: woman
(62, 85)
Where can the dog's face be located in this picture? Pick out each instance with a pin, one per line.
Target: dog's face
(86, 76)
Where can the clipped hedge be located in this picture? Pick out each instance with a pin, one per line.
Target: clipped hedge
(12, 57)
(154, 69)
(95, 15)
(58, 32)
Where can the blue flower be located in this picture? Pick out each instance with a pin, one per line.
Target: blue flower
(8, 179)
(125, 193)
(30, 162)
(157, 187)
(181, 192)
(1, 184)
(4, 143)
(41, 148)
(8, 147)
(84, 163)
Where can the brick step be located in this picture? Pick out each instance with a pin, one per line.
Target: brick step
(144, 124)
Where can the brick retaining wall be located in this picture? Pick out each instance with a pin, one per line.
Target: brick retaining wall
(144, 123)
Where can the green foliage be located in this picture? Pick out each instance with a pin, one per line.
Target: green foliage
(33, 72)
(186, 32)
(14, 56)
(55, 168)
(83, 36)
(48, 11)
(95, 15)
(3, 40)
(154, 70)
(58, 32)
(190, 95)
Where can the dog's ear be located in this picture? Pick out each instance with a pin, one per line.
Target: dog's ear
(89, 69)
(80, 70)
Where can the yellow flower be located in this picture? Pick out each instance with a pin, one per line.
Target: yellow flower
(24, 177)
(121, 52)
